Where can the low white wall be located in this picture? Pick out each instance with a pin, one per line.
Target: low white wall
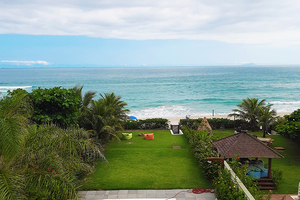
(239, 183)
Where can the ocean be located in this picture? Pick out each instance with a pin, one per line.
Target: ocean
(171, 91)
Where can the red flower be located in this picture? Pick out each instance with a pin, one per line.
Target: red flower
(72, 166)
(75, 154)
(55, 173)
(37, 167)
(232, 167)
(48, 169)
(58, 191)
(24, 193)
(53, 170)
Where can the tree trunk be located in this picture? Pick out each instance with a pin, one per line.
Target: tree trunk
(264, 131)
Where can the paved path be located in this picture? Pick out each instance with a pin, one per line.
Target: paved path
(182, 194)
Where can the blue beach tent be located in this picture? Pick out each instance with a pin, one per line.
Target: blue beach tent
(133, 118)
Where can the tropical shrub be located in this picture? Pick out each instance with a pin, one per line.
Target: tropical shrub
(215, 123)
(154, 123)
(40, 162)
(55, 105)
(106, 116)
(226, 187)
(203, 148)
(290, 128)
(249, 110)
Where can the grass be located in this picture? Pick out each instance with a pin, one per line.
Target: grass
(290, 164)
(148, 164)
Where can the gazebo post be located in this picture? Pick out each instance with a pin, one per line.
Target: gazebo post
(269, 169)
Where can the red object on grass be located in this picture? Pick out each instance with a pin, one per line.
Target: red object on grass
(149, 136)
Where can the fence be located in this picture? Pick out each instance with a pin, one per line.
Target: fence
(239, 183)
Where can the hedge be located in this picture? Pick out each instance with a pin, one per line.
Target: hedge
(154, 123)
(215, 123)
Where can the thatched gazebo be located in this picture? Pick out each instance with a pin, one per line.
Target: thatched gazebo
(244, 145)
(204, 126)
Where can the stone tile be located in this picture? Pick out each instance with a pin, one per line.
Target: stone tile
(132, 191)
(180, 198)
(190, 198)
(101, 192)
(89, 197)
(98, 198)
(151, 195)
(113, 196)
(180, 195)
(142, 191)
(113, 192)
(123, 192)
(91, 192)
(141, 195)
(209, 196)
(82, 192)
(151, 192)
(201, 197)
(131, 195)
(122, 196)
(187, 195)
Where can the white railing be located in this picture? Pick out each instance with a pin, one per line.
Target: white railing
(239, 183)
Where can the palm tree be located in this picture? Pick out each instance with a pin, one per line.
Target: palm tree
(267, 117)
(13, 130)
(85, 112)
(53, 160)
(249, 111)
(108, 114)
(115, 105)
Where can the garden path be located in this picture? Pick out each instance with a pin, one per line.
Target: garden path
(178, 194)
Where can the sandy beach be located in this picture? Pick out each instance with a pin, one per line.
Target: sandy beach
(175, 120)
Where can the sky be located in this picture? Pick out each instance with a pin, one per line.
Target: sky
(149, 32)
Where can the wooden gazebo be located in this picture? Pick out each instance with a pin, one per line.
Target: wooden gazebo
(244, 145)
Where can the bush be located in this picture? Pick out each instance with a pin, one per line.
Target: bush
(57, 105)
(215, 123)
(202, 148)
(290, 127)
(154, 123)
(226, 188)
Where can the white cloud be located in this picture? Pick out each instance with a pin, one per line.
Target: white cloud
(249, 21)
(17, 62)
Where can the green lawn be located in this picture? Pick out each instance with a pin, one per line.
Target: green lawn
(148, 164)
(290, 164)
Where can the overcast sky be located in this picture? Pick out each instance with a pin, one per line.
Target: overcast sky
(150, 32)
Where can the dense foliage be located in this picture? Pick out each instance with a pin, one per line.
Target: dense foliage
(56, 105)
(202, 146)
(226, 187)
(154, 123)
(290, 127)
(256, 112)
(47, 161)
(215, 123)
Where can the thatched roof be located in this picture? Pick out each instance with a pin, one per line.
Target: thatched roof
(204, 126)
(244, 145)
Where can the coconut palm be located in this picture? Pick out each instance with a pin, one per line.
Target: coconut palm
(249, 111)
(85, 112)
(115, 105)
(54, 159)
(13, 130)
(267, 117)
(108, 114)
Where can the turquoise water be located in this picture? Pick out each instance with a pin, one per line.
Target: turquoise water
(171, 91)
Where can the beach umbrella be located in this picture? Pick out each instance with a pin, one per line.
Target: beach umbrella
(133, 118)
